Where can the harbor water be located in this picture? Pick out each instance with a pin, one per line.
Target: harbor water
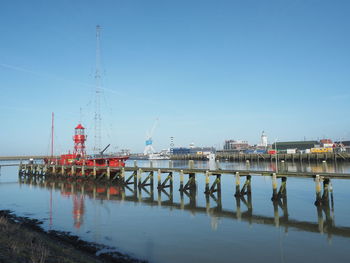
(169, 227)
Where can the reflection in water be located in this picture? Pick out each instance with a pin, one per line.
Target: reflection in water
(80, 189)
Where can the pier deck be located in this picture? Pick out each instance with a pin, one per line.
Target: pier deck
(144, 177)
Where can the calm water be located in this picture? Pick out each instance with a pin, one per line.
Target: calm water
(168, 227)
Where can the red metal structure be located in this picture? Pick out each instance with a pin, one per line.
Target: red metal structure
(79, 139)
(79, 156)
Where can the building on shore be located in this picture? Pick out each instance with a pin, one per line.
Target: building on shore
(343, 146)
(233, 145)
(296, 145)
(192, 150)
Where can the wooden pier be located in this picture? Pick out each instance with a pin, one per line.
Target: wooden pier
(144, 177)
(256, 157)
(109, 190)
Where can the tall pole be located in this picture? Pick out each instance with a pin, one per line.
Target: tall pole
(97, 137)
(276, 156)
(52, 134)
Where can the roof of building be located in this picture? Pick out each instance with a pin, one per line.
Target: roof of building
(301, 145)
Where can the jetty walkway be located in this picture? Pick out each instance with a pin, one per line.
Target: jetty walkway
(261, 157)
(104, 190)
(144, 177)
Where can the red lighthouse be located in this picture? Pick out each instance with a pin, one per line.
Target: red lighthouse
(79, 139)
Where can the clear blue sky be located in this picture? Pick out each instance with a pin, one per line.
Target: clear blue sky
(209, 70)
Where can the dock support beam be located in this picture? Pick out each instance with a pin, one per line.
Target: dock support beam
(191, 184)
(215, 187)
(164, 184)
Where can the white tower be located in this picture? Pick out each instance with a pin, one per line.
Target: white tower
(263, 141)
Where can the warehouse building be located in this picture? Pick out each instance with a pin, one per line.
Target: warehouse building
(298, 145)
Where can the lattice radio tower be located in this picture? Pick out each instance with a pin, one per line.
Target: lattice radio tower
(98, 90)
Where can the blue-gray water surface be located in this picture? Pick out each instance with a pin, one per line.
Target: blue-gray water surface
(169, 227)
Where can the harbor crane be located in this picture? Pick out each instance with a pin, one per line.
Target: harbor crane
(149, 141)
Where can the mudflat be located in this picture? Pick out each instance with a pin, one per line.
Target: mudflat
(23, 240)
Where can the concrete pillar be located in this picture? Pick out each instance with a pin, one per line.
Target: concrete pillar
(135, 163)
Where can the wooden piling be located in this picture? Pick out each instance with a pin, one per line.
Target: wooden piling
(122, 175)
(206, 182)
(108, 172)
(94, 169)
(238, 183)
(181, 180)
(274, 187)
(159, 177)
(83, 169)
(318, 201)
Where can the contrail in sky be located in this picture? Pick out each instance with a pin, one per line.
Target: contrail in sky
(15, 68)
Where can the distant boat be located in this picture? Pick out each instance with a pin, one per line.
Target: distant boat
(158, 156)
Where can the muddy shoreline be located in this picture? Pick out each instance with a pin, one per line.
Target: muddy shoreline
(22, 239)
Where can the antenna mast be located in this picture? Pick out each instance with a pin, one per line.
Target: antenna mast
(52, 134)
(97, 146)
